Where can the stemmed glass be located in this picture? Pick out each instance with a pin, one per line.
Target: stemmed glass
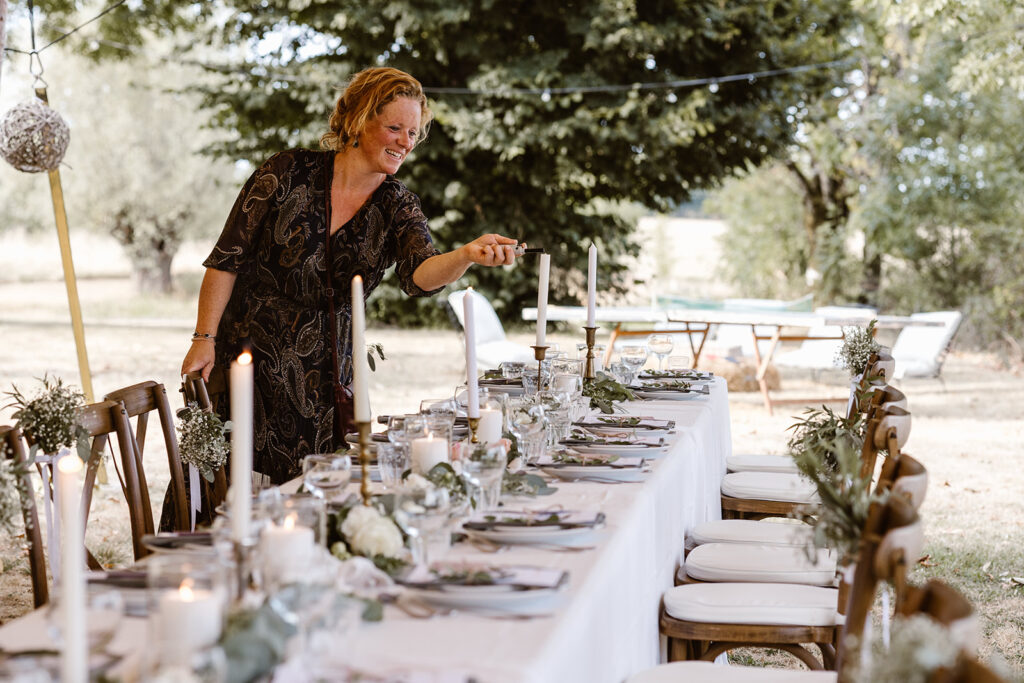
(556, 409)
(325, 475)
(660, 345)
(634, 356)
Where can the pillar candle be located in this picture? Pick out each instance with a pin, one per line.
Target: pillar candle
(286, 549)
(542, 298)
(473, 399)
(74, 649)
(241, 446)
(591, 286)
(360, 368)
(489, 430)
(426, 452)
(187, 620)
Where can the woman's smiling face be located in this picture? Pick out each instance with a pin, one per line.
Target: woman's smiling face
(389, 137)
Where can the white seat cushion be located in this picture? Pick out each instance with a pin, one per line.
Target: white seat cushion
(760, 462)
(706, 672)
(779, 486)
(761, 564)
(748, 531)
(782, 604)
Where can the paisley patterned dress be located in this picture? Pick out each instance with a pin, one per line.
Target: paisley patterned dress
(275, 240)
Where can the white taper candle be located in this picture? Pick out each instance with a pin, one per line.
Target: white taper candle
(591, 286)
(542, 298)
(360, 368)
(74, 649)
(473, 400)
(241, 446)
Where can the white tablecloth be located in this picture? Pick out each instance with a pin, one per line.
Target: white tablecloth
(608, 625)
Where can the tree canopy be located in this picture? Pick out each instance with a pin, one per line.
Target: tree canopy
(549, 165)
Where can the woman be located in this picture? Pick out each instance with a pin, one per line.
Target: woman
(267, 285)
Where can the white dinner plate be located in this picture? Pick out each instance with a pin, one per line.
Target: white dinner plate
(609, 473)
(621, 450)
(670, 395)
(614, 432)
(488, 598)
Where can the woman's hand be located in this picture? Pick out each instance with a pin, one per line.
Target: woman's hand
(491, 250)
(199, 357)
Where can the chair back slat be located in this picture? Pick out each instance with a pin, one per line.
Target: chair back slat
(13, 447)
(911, 480)
(896, 421)
(139, 401)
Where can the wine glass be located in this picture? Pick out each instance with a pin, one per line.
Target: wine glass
(326, 475)
(660, 345)
(634, 356)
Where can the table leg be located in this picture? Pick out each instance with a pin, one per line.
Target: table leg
(762, 363)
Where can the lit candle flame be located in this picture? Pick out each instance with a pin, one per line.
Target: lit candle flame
(289, 522)
(185, 590)
(245, 358)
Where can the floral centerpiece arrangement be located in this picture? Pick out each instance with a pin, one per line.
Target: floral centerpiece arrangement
(12, 483)
(858, 345)
(201, 441)
(50, 419)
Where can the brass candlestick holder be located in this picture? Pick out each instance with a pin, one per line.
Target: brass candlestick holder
(539, 352)
(588, 369)
(474, 423)
(364, 459)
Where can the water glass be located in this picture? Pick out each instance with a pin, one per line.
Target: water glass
(484, 470)
(424, 514)
(325, 475)
(396, 429)
(556, 410)
(621, 373)
(512, 369)
(660, 345)
(634, 356)
(528, 424)
(393, 460)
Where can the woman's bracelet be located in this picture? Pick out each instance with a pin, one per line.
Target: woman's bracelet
(198, 336)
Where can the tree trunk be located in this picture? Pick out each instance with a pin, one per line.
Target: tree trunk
(155, 277)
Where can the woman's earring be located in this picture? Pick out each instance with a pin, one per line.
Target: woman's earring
(355, 143)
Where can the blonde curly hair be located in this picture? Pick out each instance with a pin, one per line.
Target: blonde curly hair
(364, 97)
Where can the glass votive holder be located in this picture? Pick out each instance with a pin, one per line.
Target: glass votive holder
(511, 369)
(188, 598)
(393, 461)
(429, 442)
(287, 543)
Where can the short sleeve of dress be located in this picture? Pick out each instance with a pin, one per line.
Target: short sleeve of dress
(235, 246)
(414, 243)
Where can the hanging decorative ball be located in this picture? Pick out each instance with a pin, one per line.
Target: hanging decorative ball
(33, 137)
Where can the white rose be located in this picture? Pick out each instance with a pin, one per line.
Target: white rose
(418, 481)
(357, 518)
(377, 537)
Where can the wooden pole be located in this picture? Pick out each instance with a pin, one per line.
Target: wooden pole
(70, 283)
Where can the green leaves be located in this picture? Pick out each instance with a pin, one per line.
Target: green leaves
(604, 390)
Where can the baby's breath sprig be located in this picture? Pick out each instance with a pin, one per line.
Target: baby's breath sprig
(201, 440)
(12, 492)
(858, 345)
(50, 419)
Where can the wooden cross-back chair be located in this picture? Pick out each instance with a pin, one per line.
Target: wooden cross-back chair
(12, 447)
(138, 402)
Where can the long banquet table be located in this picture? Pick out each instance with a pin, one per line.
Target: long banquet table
(607, 625)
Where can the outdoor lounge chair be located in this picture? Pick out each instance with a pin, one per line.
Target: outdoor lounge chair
(492, 347)
(920, 350)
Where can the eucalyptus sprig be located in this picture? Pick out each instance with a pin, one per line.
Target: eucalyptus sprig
(201, 440)
(604, 391)
(858, 345)
(371, 350)
(50, 419)
(844, 494)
